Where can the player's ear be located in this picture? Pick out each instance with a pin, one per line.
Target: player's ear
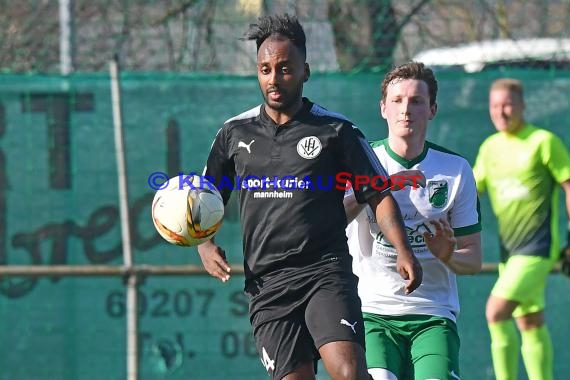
(433, 109)
(307, 72)
(382, 105)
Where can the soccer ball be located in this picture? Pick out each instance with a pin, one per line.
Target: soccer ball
(187, 213)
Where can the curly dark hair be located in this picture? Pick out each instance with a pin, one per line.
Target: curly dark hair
(278, 25)
(412, 70)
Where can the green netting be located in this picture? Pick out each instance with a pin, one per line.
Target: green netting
(58, 176)
(59, 205)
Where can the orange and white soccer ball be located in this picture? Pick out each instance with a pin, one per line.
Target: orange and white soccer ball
(187, 212)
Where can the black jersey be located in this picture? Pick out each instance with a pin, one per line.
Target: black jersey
(291, 186)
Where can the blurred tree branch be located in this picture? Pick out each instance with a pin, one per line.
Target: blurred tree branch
(366, 32)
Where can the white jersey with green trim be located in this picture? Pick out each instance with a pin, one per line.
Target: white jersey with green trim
(450, 193)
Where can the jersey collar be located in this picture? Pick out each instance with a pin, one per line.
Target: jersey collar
(299, 116)
(402, 161)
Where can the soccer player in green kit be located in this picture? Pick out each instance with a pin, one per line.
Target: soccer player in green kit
(521, 168)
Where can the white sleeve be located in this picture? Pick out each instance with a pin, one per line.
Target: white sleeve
(465, 211)
(359, 240)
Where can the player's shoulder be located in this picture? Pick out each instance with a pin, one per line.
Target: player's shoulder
(243, 118)
(445, 154)
(491, 143)
(379, 146)
(442, 150)
(539, 135)
(530, 134)
(318, 111)
(327, 118)
(236, 127)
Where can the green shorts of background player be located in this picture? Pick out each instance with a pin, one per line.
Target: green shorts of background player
(522, 281)
(411, 347)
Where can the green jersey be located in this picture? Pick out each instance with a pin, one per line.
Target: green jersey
(521, 173)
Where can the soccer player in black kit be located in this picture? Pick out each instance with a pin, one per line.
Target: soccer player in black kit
(285, 156)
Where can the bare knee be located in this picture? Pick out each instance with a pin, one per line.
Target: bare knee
(530, 321)
(499, 309)
(346, 370)
(344, 360)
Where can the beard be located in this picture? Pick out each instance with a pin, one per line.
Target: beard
(287, 101)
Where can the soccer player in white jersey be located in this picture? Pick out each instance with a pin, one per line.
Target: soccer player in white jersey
(415, 336)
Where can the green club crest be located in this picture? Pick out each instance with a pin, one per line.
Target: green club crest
(437, 191)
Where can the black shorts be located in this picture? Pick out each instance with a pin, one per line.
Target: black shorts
(298, 311)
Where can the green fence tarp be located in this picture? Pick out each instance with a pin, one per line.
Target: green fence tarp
(59, 205)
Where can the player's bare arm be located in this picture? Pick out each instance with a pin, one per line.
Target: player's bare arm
(214, 260)
(462, 254)
(390, 221)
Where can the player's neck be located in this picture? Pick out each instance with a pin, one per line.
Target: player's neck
(281, 117)
(516, 128)
(408, 148)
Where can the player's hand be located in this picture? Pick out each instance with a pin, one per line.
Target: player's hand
(214, 260)
(442, 242)
(410, 269)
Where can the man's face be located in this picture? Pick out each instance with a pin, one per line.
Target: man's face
(407, 108)
(506, 110)
(281, 72)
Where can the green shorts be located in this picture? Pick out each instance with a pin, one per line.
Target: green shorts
(523, 279)
(412, 346)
